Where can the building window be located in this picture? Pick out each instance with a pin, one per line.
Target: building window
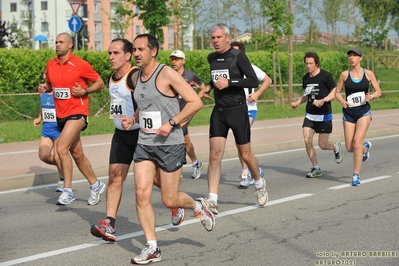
(95, 7)
(137, 29)
(45, 26)
(137, 10)
(96, 27)
(44, 5)
(13, 7)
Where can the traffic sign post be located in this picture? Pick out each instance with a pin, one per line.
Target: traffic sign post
(75, 7)
(75, 24)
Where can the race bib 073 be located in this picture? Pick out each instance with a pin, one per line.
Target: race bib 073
(62, 93)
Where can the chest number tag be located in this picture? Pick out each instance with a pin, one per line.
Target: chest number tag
(357, 99)
(62, 93)
(150, 121)
(224, 73)
(117, 108)
(48, 115)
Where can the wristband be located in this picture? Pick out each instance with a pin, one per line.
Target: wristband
(86, 92)
(324, 99)
(372, 96)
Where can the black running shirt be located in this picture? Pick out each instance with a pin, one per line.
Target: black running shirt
(233, 65)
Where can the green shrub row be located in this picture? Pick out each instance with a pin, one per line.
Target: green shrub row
(21, 70)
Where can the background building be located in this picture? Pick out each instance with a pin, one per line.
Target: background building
(42, 20)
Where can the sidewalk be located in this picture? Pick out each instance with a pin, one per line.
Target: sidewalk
(21, 167)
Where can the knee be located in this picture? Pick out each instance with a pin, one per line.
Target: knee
(168, 202)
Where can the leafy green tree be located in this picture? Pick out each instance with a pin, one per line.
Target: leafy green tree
(308, 15)
(331, 12)
(155, 14)
(280, 23)
(119, 21)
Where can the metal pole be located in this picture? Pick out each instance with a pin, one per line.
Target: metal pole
(33, 24)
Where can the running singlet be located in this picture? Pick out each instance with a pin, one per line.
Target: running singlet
(232, 65)
(63, 77)
(316, 88)
(121, 93)
(48, 108)
(356, 90)
(155, 110)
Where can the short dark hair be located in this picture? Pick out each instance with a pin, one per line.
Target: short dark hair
(127, 45)
(240, 45)
(152, 41)
(312, 55)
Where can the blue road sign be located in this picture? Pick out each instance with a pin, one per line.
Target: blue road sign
(75, 24)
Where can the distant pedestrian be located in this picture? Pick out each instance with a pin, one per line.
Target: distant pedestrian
(356, 109)
(319, 91)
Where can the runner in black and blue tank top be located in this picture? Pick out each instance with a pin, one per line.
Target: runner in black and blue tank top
(231, 72)
(356, 109)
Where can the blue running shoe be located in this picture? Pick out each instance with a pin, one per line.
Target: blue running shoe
(355, 180)
(261, 172)
(366, 155)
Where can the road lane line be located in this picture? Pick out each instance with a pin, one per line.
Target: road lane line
(365, 181)
(140, 233)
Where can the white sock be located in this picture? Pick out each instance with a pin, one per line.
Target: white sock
(258, 183)
(196, 162)
(152, 243)
(95, 185)
(336, 149)
(198, 207)
(245, 171)
(214, 197)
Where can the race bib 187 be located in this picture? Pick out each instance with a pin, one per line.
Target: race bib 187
(356, 99)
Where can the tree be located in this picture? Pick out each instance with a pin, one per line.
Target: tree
(280, 22)
(154, 13)
(310, 16)
(331, 11)
(7, 37)
(120, 20)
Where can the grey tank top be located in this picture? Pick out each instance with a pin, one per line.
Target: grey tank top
(155, 110)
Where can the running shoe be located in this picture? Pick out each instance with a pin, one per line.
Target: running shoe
(314, 172)
(366, 155)
(60, 186)
(147, 255)
(355, 180)
(178, 216)
(103, 230)
(66, 198)
(261, 194)
(197, 170)
(95, 194)
(246, 180)
(339, 156)
(211, 204)
(205, 216)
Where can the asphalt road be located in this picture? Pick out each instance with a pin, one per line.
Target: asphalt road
(306, 222)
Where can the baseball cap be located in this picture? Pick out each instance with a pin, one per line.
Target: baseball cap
(178, 53)
(356, 51)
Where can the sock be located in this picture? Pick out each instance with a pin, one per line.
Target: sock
(245, 171)
(95, 185)
(198, 208)
(258, 183)
(153, 244)
(69, 190)
(60, 179)
(316, 167)
(213, 197)
(111, 221)
(196, 162)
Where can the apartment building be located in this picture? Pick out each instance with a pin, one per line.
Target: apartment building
(99, 23)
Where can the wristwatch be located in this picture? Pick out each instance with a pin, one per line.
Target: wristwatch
(172, 122)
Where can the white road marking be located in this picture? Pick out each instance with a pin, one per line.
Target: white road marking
(140, 233)
(362, 182)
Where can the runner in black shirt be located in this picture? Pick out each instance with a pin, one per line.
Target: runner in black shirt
(228, 68)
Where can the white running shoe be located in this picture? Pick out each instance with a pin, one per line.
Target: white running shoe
(197, 169)
(66, 198)
(246, 180)
(95, 194)
(261, 194)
